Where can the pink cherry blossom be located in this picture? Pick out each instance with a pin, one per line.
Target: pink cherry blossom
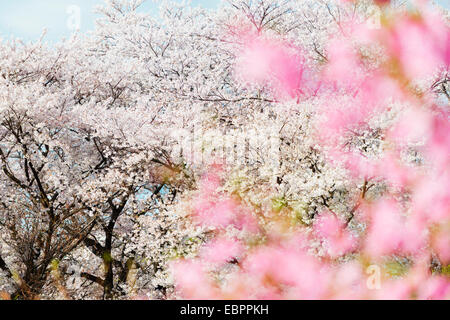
(221, 250)
(269, 61)
(339, 241)
(424, 49)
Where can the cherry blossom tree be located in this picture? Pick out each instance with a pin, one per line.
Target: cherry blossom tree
(141, 158)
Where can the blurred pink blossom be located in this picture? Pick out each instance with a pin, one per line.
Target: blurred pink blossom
(268, 61)
(426, 46)
(338, 240)
(192, 280)
(221, 250)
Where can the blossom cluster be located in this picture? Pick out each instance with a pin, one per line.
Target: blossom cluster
(377, 125)
(266, 149)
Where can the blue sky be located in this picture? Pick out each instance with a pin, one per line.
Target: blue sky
(26, 19)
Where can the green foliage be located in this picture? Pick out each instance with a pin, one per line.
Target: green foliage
(446, 270)
(107, 258)
(395, 268)
(278, 204)
(54, 264)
